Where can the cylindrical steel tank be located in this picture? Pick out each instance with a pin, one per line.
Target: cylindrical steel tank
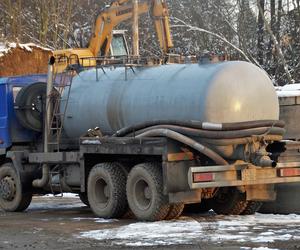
(114, 98)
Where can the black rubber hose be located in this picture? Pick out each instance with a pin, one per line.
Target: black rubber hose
(187, 141)
(217, 134)
(240, 141)
(201, 125)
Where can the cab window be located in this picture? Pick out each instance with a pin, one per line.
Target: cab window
(118, 46)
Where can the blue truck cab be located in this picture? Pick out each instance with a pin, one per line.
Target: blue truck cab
(11, 131)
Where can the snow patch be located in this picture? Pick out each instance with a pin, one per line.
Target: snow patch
(105, 220)
(256, 228)
(289, 90)
(263, 248)
(65, 195)
(96, 220)
(53, 206)
(288, 93)
(149, 234)
(91, 142)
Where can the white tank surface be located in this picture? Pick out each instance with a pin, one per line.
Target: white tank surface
(218, 93)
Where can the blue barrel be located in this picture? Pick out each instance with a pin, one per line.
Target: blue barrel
(114, 98)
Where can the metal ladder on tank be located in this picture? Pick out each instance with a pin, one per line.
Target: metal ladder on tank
(57, 121)
(58, 115)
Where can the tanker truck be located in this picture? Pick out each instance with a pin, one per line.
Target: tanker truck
(145, 139)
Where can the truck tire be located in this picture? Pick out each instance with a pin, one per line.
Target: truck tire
(129, 215)
(198, 208)
(33, 95)
(107, 190)
(229, 201)
(12, 196)
(175, 211)
(252, 207)
(145, 192)
(84, 199)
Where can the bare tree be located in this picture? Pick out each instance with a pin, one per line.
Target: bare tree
(277, 46)
(260, 31)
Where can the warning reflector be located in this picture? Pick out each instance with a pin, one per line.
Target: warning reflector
(203, 177)
(288, 172)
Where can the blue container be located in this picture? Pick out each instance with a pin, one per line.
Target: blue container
(11, 130)
(218, 93)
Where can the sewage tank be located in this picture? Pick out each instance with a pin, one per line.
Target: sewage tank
(114, 98)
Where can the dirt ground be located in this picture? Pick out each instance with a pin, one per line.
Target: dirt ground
(65, 223)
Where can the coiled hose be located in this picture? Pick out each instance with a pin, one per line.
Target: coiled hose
(202, 125)
(218, 134)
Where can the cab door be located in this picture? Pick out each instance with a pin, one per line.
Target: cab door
(5, 140)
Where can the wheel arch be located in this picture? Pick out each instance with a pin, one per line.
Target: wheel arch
(16, 159)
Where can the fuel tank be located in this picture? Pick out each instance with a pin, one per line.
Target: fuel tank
(116, 97)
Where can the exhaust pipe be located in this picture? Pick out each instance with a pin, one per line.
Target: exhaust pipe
(40, 183)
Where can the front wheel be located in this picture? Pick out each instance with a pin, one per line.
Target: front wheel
(145, 192)
(12, 196)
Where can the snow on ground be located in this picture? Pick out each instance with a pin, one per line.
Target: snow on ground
(52, 202)
(258, 228)
(65, 195)
(51, 206)
(97, 220)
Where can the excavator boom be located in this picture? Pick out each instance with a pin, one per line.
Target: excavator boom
(101, 41)
(121, 11)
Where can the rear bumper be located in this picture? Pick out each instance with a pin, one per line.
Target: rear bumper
(242, 175)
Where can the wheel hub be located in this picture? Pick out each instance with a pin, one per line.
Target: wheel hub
(147, 193)
(142, 194)
(106, 191)
(7, 188)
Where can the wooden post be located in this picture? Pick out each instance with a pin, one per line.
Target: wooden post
(135, 29)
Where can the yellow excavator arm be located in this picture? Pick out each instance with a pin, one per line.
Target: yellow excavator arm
(101, 41)
(121, 11)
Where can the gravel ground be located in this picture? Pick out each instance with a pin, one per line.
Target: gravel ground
(65, 223)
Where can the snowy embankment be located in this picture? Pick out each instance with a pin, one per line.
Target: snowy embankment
(7, 47)
(23, 59)
(256, 229)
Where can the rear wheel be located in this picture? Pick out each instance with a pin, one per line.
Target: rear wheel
(175, 211)
(145, 192)
(252, 207)
(12, 196)
(198, 208)
(107, 190)
(229, 201)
